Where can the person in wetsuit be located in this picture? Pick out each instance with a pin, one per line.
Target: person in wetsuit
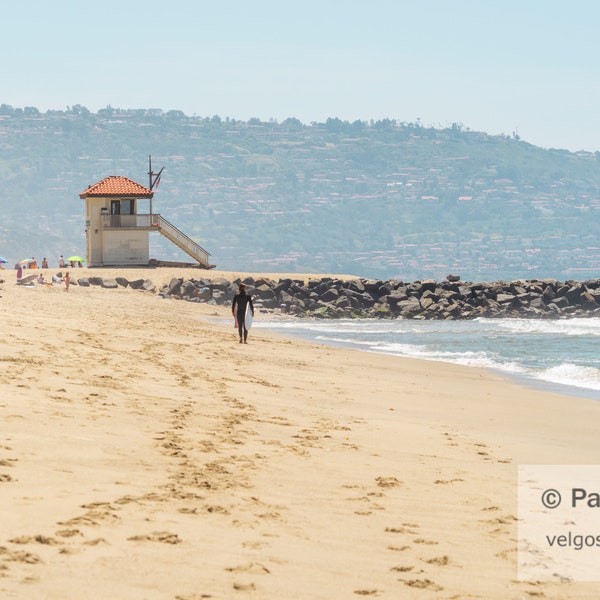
(238, 310)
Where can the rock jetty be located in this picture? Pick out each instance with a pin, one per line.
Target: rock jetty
(330, 298)
(428, 299)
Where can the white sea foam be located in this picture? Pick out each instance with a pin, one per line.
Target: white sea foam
(573, 375)
(323, 326)
(555, 351)
(571, 327)
(467, 357)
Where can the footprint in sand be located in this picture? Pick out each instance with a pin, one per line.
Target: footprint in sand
(387, 482)
(487, 455)
(254, 545)
(244, 587)
(451, 439)
(499, 522)
(370, 504)
(34, 539)
(440, 561)
(164, 537)
(5, 477)
(406, 528)
(505, 520)
(398, 548)
(68, 533)
(69, 551)
(188, 510)
(423, 584)
(508, 554)
(95, 542)
(447, 481)
(426, 542)
(252, 567)
(214, 508)
(402, 569)
(91, 518)
(19, 556)
(127, 500)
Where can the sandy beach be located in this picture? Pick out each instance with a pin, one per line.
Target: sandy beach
(145, 454)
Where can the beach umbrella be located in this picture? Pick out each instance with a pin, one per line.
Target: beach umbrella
(75, 259)
(3, 260)
(25, 261)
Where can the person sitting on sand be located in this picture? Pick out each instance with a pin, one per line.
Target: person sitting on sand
(56, 279)
(238, 309)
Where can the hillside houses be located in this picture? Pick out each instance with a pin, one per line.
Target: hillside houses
(380, 199)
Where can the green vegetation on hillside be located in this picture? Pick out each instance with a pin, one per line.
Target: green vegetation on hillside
(379, 199)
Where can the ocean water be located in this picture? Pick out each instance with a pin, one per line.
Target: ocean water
(562, 355)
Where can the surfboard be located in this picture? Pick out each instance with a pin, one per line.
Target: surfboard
(248, 317)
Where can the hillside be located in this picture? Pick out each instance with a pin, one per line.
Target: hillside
(380, 199)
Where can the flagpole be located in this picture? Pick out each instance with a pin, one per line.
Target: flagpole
(150, 180)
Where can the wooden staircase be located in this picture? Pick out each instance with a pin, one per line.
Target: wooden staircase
(182, 241)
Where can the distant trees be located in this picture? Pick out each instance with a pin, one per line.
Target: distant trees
(79, 110)
(292, 124)
(31, 111)
(175, 115)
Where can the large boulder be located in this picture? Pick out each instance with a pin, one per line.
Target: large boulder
(266, 295)
(286, 298)
(148, 286)
(187, 289)
(138, 283)
(408, 308)
(396, 296)
(588, 300)
(222, 284)
(356, 285)
(331, 294)
(109, 283)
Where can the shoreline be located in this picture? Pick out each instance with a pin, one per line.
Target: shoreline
(146, 454)
(524, 379)
(571, 290)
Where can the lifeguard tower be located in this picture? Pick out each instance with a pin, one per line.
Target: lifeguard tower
(118, 235)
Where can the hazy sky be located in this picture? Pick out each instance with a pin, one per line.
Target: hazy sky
(499, 66)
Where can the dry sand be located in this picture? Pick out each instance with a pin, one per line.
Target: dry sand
(144, 453)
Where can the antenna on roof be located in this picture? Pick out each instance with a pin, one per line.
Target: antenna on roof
(153, 178)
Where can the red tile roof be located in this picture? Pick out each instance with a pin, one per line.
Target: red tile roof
(116, 185)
